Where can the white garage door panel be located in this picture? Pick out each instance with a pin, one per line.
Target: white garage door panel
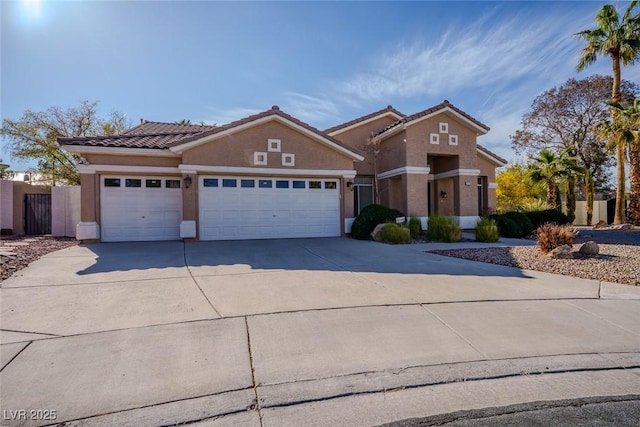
(140, 213)
(229, 213)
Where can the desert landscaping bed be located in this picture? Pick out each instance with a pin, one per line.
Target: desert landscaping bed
(614, 263)
(17, 252)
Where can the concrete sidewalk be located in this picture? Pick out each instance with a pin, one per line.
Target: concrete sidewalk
(300, 332)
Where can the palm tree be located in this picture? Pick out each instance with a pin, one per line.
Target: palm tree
(551, 169)
(620, 40)
(628, 135)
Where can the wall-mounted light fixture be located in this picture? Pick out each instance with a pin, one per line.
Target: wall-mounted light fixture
(350, 185)
(443, 194)
(467, 183)
(187, 181)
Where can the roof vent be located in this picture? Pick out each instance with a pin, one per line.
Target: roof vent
(389, 106)
(275, 107)
(446, 101)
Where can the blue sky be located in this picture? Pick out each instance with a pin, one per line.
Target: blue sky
(323, 62)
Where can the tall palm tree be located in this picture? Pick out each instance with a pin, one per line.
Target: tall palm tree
(620, 40)
(552, 169)
(628, 134)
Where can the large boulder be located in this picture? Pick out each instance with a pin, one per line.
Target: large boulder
(376, 234)
(561, 252)
(589, 248)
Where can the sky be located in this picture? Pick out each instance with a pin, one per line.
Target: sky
(323, 62)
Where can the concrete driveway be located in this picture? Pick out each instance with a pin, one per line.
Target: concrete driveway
(300, 332)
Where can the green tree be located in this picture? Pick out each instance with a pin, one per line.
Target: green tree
(34, 136)
(567, 117)
(619, 38)
(5, 173)
(552, 170)
(627, 132)
(515, 189)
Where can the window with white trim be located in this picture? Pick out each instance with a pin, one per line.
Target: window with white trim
(259, 158)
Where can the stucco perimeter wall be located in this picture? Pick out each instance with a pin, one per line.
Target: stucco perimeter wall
(237, 150)
(6, 206)
(418, 136)
(358, 138)
(65, 210)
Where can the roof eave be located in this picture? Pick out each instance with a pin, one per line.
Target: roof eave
(363, 122)
(120, 151)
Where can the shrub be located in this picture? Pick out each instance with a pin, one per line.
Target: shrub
(487, 230)
(526, 226)
(415, 227)
(550, 236)
(539, 218)
(395, 234)
(443, 229)
(369, 217)
(506, 226)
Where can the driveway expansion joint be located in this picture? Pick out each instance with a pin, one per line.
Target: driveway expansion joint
(16, 355)
(258, 405)
(184, 253)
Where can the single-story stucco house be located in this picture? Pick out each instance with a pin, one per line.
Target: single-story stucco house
(271, 175)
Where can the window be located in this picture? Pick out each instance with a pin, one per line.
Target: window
(265, 183)
(259, 158)
(172, 183)
(453, 139)
(273, 145)
(315, 184)
(229, 182)
(132, 183)
(443, 127)
(282, 184)
(247, 183)
(288, 159)
(153, 183)
(112, 182)
(434, 138)
(210, 182)
(362, 192)
(330, 185)
(299, 184)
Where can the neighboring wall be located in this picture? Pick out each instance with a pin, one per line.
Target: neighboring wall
(599, 212)
(6, 207)
(65, 210)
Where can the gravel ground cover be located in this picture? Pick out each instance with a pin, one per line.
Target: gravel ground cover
(618, 263)
(17, 252)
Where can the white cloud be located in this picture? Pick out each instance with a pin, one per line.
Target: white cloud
(316, 111)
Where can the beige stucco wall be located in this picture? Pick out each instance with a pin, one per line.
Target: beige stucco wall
(105, 159)
(237, 150)
(89, 197)
(416, 191)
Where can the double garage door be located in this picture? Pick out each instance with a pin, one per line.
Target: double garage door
(234, 208)
(138, 208)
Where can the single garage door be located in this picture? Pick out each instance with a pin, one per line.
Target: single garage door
(140, 208)
(233, 208)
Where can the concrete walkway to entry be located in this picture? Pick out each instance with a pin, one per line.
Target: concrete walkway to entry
(301, 332)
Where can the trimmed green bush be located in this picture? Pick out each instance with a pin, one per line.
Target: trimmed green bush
(415, 227)
(369, 217)
(523, 221)
(443, 229)
(507, 227)
(487, 230)
(546, 216)
(395, 234)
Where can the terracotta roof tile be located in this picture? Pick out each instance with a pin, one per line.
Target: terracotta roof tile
(435, 108)
(388, 109)
(156, 128)
(491, 153)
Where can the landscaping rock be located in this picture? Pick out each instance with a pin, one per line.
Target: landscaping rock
(601, 224)
(561, 252)
(623, 227)
(589, 248)
(376, 234)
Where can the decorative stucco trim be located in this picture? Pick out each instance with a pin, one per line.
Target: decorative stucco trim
(443, 127)
(120, 151)
(453, 139)
(481, 130)
(467, 222)
(434, 138)
(256, 158)
(203, 169)
(288, 159)
(492, 185)
(87, 231)
(415, 170)
(457, 172)
(316, 137)
(187, 229)
(364, 122)
(273, 145)
(90, 169)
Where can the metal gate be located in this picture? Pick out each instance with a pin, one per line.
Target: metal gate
(37, 214)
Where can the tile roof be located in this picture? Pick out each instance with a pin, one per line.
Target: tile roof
(157, 135)
(388, 109)
(491, 153)
(435, 108)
